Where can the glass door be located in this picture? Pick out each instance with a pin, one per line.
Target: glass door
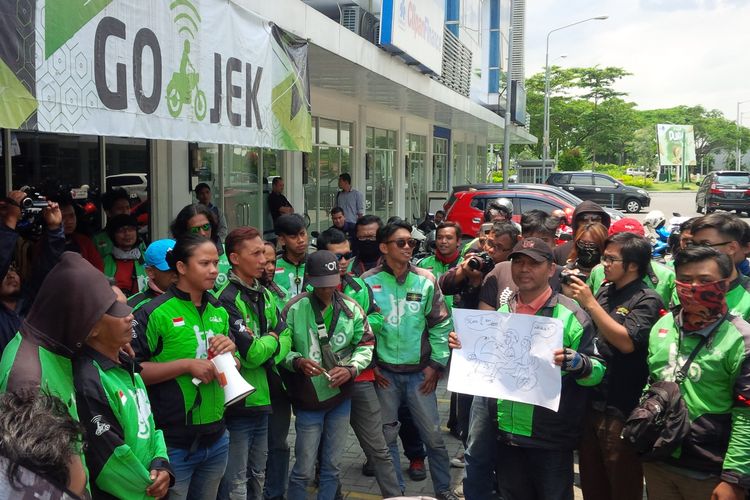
(415, 177)
(242, 189)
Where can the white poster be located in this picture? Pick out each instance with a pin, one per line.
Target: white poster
(507, 356)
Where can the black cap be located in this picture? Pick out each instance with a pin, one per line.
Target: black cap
(119, 221)
(535, 248)
(322, 269)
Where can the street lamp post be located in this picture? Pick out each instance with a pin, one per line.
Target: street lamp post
(545, 133)
(738, 159)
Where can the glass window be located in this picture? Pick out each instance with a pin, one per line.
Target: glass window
(242, 187)
(346, 134)
(379, 163)
(440, 164)
(328, 130)
(600, 181)
(416, 190)
(580, 180)
(534, 204)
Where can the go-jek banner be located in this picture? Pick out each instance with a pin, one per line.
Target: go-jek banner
(192, 70)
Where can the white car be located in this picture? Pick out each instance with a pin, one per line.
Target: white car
(135, 184)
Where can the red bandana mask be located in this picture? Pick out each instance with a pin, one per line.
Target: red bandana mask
(702, 304)
(446, 260)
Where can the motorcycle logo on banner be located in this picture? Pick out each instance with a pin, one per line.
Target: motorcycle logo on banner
(189, 70)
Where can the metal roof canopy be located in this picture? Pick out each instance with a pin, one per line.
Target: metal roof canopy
(335, 73)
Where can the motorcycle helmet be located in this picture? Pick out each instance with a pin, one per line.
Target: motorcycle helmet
(654, 219)
(494, 208)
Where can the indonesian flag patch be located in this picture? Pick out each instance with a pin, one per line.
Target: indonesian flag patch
(279, 270)
(178, 321)
(663, 332)
(377, 288)
(123, 398)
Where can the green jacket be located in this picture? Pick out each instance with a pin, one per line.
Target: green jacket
(659, 278)
(252, 314)
(289, 277)
(169, 328)
(438, 269)
(716, 392)
(523, 424)
(124, 444)
(356, 288)
(416, 320)
(738, 297)
(139, 299)
(110, 268)
(348, 335)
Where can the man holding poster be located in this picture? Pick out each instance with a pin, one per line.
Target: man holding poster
(535, 444)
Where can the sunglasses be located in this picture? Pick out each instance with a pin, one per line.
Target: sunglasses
(591, 218)
(198, 229)
(347, 255)
(402, 243)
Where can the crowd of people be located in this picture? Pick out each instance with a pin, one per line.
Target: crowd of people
(110, 389)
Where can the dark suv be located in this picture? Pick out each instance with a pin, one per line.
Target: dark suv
(724, 190)
(602, 189)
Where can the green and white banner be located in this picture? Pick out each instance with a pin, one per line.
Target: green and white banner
(674, 142)
(191, 70)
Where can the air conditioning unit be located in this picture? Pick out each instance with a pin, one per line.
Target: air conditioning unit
(358, 20)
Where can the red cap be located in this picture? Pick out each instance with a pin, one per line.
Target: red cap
(627, 225)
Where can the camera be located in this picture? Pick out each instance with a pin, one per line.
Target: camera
(482, 262)
(35, 203)
(567, 274)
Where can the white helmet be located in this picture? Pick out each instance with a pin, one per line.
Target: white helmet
(654, 219)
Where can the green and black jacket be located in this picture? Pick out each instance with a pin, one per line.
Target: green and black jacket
(438, 269)
(350, 340)
(124, 445)
(532, 426)
(137, 300)
(659, 277)
(253, 312)
(738, 297)
(716, 392)
(289, 277)
(170, 328)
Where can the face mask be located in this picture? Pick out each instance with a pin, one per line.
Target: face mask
(367, 250)
(588, 254)
(702, 304)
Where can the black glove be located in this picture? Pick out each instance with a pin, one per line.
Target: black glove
(575, 363)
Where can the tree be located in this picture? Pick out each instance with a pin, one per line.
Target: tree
(571, 159)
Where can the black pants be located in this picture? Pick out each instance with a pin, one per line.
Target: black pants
(534, 473)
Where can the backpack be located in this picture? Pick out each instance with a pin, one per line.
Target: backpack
(657, 426)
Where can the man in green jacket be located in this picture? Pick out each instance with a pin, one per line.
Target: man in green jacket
(713, 460)
(447, 255)
(160, 277)
(412, 347)
(726, 232)
(365, 417)
(331, 344)
(126, 454)
(290, 268)
(255, 324)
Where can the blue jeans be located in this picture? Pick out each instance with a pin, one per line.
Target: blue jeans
(197, 475)
(404, 388)
(277, 465)
(534, 473)
(331, 427)
(246, 469)
(480, 450)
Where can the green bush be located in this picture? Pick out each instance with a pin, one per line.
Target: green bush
(635, 181)
(571, 159)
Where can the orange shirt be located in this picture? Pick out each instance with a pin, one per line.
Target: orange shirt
(535, 304)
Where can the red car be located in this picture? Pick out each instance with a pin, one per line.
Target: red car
(467, 207)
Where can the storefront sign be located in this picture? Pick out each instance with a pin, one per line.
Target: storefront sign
(192, 70)
(415, 28)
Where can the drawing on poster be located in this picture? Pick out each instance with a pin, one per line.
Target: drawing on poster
(507, 356)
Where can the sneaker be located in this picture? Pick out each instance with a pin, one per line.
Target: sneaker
(458, 461)
(446, 495)
(368, 469)
(416, 470)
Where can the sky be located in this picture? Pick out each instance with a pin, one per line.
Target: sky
(691, 52)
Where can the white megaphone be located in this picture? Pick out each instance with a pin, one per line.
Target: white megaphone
(235, 386)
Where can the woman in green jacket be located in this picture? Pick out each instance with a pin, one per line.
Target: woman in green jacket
(175, 336)
(199, 219)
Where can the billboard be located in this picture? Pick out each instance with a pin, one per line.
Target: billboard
(191, 70)
(414, 30)
(672, 139)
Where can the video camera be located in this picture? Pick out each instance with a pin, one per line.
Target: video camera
(566, 276)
